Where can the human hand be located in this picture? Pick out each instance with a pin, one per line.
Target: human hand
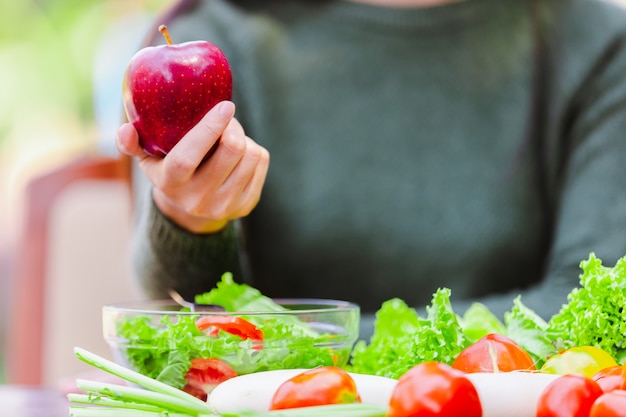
(199, 187)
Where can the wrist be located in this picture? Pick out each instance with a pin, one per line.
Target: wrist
(189, 222)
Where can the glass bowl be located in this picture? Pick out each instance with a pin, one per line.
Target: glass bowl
(195, 350)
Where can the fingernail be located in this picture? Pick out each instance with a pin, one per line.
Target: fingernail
(226, 109)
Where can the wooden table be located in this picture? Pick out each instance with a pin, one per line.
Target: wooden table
(26, 401)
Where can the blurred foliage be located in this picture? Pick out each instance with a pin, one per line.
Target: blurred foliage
(47, 85)
(46, 56)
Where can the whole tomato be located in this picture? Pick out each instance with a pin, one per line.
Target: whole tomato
(318, 386)
(434, 389)
(610, 404)
(609, 378)
(569, 395)
(493, 353)
(584, 360)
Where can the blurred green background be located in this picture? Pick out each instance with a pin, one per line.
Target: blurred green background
(60, 89)
(47, 53)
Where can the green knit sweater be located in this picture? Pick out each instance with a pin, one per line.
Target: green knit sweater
(478, 146)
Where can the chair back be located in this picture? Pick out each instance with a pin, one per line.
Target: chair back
(72, 258)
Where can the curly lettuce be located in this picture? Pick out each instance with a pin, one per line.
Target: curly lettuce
(402, 338)
(595, 314)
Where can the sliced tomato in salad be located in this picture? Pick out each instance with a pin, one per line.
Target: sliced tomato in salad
(205, 374)
(237, 326)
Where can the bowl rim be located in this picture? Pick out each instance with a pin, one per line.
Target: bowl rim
(325, 306)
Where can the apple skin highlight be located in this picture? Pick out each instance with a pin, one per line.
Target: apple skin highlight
(167, 89)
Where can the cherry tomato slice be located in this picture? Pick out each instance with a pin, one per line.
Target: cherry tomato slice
(493, 353)
(205, 374)
(609, 378)
(610, 404)
(570, 395)
(434, 389)
(234, 325)
(318, 386)
(584, 360)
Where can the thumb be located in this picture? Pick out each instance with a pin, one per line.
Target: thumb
(127, 141)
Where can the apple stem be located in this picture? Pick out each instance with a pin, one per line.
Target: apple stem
(166, 34)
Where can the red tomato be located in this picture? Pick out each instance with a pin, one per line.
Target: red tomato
(609, 378)
(610, 404)
(434, 389)
(623, 377)
(493, 353)
(205, 374)
(318, 386)
(570, 395)
(231, 324)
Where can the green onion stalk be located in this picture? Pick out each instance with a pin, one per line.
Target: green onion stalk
(156, 399)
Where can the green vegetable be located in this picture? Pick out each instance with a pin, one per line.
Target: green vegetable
(595, 314)
(526, 328)
(402, 339)
(478, 321)
(156, 395)
(237, 297)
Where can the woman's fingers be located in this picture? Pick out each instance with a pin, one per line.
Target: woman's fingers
(233, 146)
(240, 180)
(249, 176)
(187, 155)
(251, 193)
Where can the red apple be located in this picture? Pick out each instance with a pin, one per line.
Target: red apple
(167, 89)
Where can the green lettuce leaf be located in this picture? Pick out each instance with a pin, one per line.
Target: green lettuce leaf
(402, 339)
(595, 314)
(174, 371)
(237, 297)
(479, 321)
(528, 330)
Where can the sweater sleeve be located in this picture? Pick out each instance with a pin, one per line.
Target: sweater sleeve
(166, 256)
(589, 150)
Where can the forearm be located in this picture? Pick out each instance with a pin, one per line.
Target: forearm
(166, 256)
